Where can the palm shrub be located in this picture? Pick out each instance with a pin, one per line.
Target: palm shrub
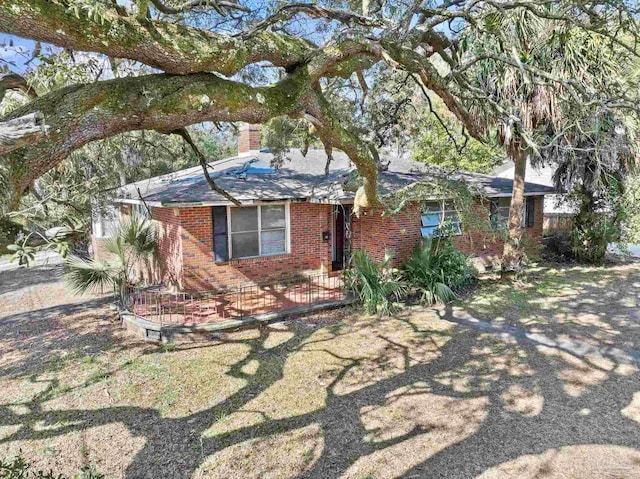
(437, 270)
(377, 285)
(132, 243)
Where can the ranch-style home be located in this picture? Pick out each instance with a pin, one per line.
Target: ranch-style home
(297, 218)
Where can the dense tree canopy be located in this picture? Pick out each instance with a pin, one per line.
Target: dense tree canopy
(223, 61)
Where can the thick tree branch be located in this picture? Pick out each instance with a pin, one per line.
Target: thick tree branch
(80, 114)
(171, 47)
(13, 81)
(334, 135)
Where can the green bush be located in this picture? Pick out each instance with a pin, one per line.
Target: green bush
(378, 286)
(598, 222)
(19, 468)
(437, 270)
(133, 242)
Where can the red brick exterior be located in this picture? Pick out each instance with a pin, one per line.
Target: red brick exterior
(168, 267)
(186, 259)
(378, 234)
(488, 245)
(400, 233)
(249, 138)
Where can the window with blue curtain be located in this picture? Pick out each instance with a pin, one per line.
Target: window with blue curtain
(440, 219)
(430, 224)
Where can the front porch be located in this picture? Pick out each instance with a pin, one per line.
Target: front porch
(217, 306)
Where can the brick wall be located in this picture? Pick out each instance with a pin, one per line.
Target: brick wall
(248, 138)
(168, 265)
(186, 259)
(488, 245)
(400, 233)
(378, 234)
(308, 250)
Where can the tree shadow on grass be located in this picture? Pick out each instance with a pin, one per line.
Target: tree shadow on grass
(19, 278)
(435, 403)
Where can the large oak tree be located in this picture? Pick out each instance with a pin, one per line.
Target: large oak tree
(198, 51)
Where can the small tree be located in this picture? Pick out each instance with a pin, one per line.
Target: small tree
(537, 114)
(133, 242)
(593, 173)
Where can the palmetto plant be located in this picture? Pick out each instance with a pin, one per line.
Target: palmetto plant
(133, 242)
(377, 285)
(437, 272)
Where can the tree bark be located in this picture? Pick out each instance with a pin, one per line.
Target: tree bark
(171, 47)
(21, 131)
(78, 115)
(512, 255)
(334, 134)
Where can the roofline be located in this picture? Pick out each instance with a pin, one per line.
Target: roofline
(131, 201)
(533, 193)
(327, 201)
(191, 204)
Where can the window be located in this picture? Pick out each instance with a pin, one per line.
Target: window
(141, 210)
(258, 231)
(104, 222)
(500, 212)
(440, 219)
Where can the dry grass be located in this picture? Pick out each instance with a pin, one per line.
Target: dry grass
(335, 395)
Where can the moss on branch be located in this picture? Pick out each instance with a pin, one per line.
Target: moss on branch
(80, 114)
(171, 47)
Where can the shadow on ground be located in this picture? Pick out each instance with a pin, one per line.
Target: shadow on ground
(19, 278)
(536, 379)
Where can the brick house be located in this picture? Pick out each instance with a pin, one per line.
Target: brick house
(296, 218)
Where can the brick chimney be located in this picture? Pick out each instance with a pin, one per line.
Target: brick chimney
(249, 139)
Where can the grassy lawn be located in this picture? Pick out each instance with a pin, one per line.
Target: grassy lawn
(533, 379)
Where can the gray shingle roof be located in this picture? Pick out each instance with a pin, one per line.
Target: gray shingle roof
(251, 178)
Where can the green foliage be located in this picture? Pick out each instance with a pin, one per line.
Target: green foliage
(283, 133)
(377, 285)
(631, 204)
(594, 175)
(133, 242)
(19, 468)
(597, 224)
(439, 188)
(22, 253)
(9, 232)
(436, 269)
(531, 248)
(440, 141)
(24, 250)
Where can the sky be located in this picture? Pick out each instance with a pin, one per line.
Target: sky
(15, 52)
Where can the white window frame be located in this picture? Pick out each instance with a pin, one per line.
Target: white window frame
(140, 210)
(101, 226)
(523, 223)
(443, 214)
(287, 228)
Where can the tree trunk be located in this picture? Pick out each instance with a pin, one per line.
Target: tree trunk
(512, 255)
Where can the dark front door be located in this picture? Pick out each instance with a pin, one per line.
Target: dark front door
(341, 236)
